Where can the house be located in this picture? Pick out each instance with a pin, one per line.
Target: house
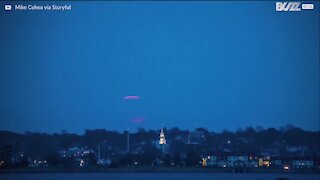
(222, 163)
(253, 160)
(253, 163)
(104, 162)
(302, 164)
(210, 161)
(297, 150)
(276, 162)
(237, 161)
(75, 152)
(38, 163)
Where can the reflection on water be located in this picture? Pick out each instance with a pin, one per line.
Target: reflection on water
(157, 176)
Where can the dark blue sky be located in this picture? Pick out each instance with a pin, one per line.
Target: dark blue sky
(218, 65)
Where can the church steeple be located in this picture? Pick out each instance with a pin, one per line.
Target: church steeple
(162, 139)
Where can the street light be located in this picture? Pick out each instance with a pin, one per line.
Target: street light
(99, 157)
(128, 141)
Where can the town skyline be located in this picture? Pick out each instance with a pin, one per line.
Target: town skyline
(289, 149)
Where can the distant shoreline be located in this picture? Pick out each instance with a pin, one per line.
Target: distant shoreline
(157, 170)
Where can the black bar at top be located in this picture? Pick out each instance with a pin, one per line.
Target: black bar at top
(311, 1)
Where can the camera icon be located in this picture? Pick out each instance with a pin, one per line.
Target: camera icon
(7, 7)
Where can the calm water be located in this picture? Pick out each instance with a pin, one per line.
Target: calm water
(157, 176)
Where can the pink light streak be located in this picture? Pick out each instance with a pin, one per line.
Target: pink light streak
(138, 120)
(131, 97)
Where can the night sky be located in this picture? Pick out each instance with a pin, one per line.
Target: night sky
(218, 65)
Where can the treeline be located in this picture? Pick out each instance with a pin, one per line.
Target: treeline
(199, 141)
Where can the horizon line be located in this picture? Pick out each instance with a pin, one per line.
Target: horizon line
(256, 128)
